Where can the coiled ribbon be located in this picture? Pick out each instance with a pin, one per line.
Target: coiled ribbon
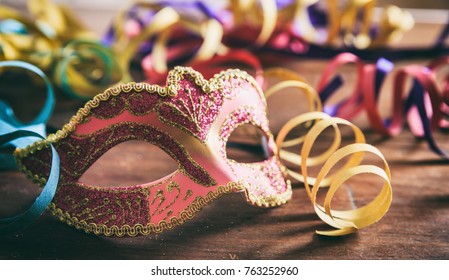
(58, 43)
(9, 121)
(303, 28)
(424, 107)
(316, 122)
(161, 37)
(17, 134)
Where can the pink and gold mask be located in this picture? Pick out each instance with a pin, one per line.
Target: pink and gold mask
(190, 119)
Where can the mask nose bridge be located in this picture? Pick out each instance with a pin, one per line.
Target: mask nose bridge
(210, 153)
(209, 156)
(205, 153)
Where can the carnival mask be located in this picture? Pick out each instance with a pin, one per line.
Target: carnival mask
(191, 120)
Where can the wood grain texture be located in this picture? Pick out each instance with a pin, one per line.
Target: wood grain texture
(414, 228)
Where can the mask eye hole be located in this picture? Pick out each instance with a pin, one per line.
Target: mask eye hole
(248, 144)
(128, 164)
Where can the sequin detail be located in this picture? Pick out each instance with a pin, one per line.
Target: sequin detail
(243, 115)
(145, 228)
(136, 103)
(192, 110)
(266, 180)
(266, 184)
(110, 207)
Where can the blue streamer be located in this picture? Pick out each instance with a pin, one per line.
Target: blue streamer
(19, 222)
(10, 123)
(19, 135)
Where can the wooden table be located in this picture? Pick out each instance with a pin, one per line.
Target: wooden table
(416, 226)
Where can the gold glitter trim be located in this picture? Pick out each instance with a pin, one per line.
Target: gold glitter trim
(139, 229)
(182, 109)
(125, 107)
(261, 201)
(271, 200)
(260, 124)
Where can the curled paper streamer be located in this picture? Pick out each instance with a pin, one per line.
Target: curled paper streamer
(86, 68)
(9, 121)
(24, 219)
(261, 13)
(165, 37)
(21, 39)
(58, 21)
(346, 221)
(56, 42)
(302, 28)
(19, 135)
(423, 107)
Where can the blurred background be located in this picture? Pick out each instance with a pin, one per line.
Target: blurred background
(98, 14)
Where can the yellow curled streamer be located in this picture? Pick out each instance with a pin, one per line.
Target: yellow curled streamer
(60, 19)
(344, 19)
(394, 23)
(266, 16)
(59, 44)
(212, 32)
(360, 39)
(127, 48)
(292, 80)
(345, 221)
(269, 11)
(35, 47)
(162, 25)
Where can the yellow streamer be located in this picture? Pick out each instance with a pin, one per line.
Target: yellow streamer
(344, 19)
(162, 25)
(59, 44)
(59, 19)
(35, 47)
(345, 221)
(261, 13)
(394, 23)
